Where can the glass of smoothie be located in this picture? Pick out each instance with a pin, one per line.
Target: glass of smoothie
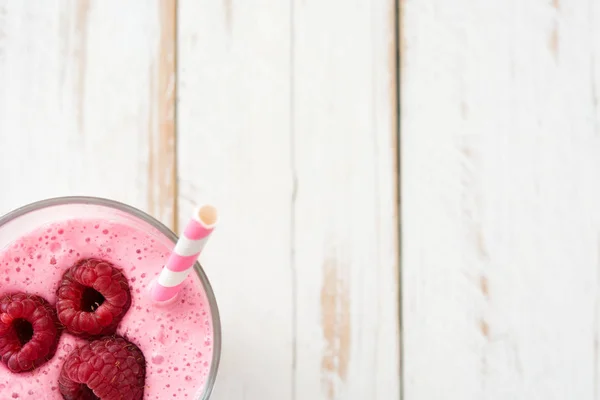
(76, 315)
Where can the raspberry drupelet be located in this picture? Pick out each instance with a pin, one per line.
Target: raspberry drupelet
(110, 368)
(93, 296)
(29, 331)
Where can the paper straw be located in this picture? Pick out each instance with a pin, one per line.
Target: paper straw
(186, 252)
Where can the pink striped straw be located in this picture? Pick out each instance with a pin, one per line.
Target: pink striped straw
(186, 252)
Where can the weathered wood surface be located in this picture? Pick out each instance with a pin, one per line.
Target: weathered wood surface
(285, 119)
(85, 106)
(500, 206)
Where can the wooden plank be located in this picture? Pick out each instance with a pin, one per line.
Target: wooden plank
(81, 91)
(162, 165)
(500, 146)
(287, 122)
(345, 220)
(234, 150)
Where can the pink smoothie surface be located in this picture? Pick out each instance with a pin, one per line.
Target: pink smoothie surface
(176, 339)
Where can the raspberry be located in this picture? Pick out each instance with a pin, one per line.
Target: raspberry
(93, 297)
(110, 368)
(28, 331)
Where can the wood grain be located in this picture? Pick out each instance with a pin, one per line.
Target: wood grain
(234, 150)
(75, 100)
(345, 215)
(288, 122)
(162, 164)
(336, 326)
(500, 214)
(82, 9)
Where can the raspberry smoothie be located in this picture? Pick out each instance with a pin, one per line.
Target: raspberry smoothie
(176, 339)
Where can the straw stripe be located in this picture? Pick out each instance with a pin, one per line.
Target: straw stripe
(187, 247)
(195, 230)
(179, 263)
(162, 293)
(171, 278)
(186, 252)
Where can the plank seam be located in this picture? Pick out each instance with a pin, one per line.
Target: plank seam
(398, 18)
(293, 206)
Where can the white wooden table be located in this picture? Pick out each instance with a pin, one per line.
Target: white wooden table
(500, 199)
(283, 113)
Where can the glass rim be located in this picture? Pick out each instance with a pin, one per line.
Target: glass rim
(162, 228)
